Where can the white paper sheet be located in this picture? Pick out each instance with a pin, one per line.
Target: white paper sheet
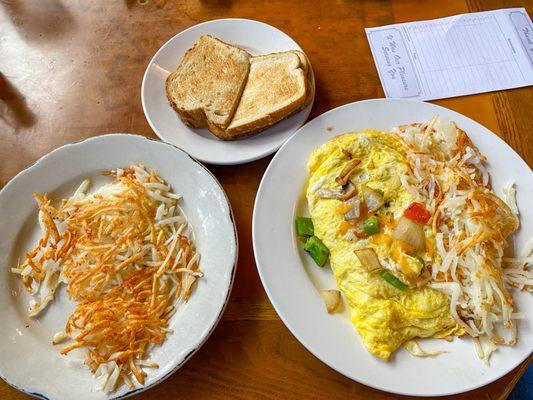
(454, 56)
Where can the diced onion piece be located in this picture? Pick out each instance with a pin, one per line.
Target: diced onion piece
(373, 199)
(414, 348)
(368, 259)
(355, 211)
(332, 299)
(410, 232)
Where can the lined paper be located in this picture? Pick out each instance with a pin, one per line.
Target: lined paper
(454, 56)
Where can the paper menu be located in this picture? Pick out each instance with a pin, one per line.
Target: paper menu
(454, 56)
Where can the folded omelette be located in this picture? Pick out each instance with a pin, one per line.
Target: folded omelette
(384, 316)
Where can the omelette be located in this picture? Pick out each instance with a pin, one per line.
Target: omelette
(354, 188)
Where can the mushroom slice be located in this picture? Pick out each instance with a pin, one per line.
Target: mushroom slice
(345, 193)
(350, 166)
(330, 194)
(349, 191)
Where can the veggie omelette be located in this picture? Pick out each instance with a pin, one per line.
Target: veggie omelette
(415, 237)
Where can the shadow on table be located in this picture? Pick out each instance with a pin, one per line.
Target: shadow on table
(13, 108)
(326, 102)
(14, 113)
(43, 20)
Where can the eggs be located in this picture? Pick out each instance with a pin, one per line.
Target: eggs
(384, 316)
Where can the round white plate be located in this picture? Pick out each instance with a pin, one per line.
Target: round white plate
(291, 279)
(29, 362)
(252, 36)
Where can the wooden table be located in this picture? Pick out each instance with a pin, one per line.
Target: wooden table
(73, 69)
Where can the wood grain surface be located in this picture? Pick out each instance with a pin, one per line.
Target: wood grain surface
(71, 69)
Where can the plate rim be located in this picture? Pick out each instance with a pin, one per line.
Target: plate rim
(307, 110)
(276, 305)
(134, 136)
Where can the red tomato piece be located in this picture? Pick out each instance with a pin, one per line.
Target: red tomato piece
(418, 213)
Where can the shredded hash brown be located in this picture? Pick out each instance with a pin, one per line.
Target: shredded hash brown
(471, 226)
(127, 259)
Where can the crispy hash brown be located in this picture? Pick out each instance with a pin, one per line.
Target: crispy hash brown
(127, 259)
(471, 226)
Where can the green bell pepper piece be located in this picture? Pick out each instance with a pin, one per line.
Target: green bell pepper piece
(317, 250)
(371, 225)
(304, 226)
(390, 278)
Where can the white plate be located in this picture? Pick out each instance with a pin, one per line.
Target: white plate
(291, 279)
(254, 37)
(28, 360)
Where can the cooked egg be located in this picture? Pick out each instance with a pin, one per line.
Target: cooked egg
(384, 316)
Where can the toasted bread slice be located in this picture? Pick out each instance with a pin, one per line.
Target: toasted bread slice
(206, 87)
(276, 88)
